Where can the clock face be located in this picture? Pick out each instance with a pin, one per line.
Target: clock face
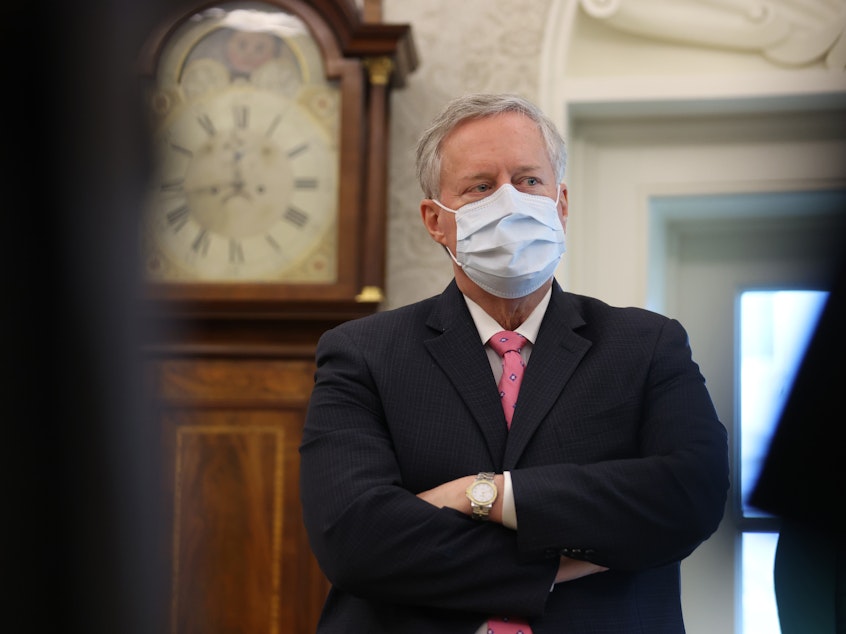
(245, 185)
(483, 492)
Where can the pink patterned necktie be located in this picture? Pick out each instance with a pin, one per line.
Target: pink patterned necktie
(508, 626)
(508, 344)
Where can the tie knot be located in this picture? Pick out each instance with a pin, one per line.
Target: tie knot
(507, 341)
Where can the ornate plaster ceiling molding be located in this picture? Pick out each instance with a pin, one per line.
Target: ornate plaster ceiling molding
(786, 32)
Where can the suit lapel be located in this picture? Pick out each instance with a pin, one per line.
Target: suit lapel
(457, 350)
(555, 355)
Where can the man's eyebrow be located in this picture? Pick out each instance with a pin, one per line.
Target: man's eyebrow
(529, 168)
(481, 174)
(485, 174)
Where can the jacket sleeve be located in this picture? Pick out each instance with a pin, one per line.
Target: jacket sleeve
(374, 538)
(647, 507)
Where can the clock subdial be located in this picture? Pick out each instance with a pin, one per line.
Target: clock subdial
(247, 190)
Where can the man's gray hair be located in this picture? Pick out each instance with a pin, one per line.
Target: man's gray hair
(479, 106)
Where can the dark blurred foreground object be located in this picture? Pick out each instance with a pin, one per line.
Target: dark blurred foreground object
(803, 481)
(79, 456)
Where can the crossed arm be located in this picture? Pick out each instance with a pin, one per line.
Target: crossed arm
(452, 495)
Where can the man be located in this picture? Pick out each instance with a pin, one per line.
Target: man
(610, 468)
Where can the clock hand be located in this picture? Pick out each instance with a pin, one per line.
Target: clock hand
(238, 185)
(239, 180)
(210, 189)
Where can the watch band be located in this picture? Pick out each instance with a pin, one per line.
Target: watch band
(482, 493)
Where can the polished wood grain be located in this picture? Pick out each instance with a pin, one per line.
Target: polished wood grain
(240, 560)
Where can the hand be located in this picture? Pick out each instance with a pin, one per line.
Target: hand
(450, 494)
(214, 190)
(453, 495)
(237, 187)
(570, 569)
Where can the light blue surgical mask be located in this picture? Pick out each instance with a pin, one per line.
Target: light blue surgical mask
(510, 242)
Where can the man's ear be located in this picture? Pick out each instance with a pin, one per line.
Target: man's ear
(563, 206)
(430, 213)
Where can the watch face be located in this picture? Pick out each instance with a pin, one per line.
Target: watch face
(483, 492)
(245, 185)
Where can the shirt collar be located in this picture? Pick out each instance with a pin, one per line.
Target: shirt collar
(488, 326)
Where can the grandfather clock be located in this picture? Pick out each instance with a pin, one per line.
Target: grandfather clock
(264, 226)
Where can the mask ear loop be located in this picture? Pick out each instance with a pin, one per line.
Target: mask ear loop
(444, 207)
(446, 248)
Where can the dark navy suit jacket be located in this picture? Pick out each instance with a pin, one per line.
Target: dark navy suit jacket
(615, 451)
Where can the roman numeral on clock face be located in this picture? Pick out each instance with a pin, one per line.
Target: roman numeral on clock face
(201, 243)
(273, 125)
(242, 116)
(296, 217)
(182, 150)
(236, 252)
(173, 187)
(273, 243)
(178, 217)
(299, 149)
(206, 123)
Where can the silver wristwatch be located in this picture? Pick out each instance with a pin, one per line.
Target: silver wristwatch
(482, 493)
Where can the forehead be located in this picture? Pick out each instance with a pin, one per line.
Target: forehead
(494, 142)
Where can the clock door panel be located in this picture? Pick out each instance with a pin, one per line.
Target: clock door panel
(240, 560)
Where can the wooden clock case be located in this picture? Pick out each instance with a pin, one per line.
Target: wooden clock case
(230, 366)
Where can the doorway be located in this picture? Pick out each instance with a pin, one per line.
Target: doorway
(717, 248)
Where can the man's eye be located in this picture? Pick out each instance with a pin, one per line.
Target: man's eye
(481, 188)
(532, 181)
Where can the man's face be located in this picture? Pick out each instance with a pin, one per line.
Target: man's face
(481, 155)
